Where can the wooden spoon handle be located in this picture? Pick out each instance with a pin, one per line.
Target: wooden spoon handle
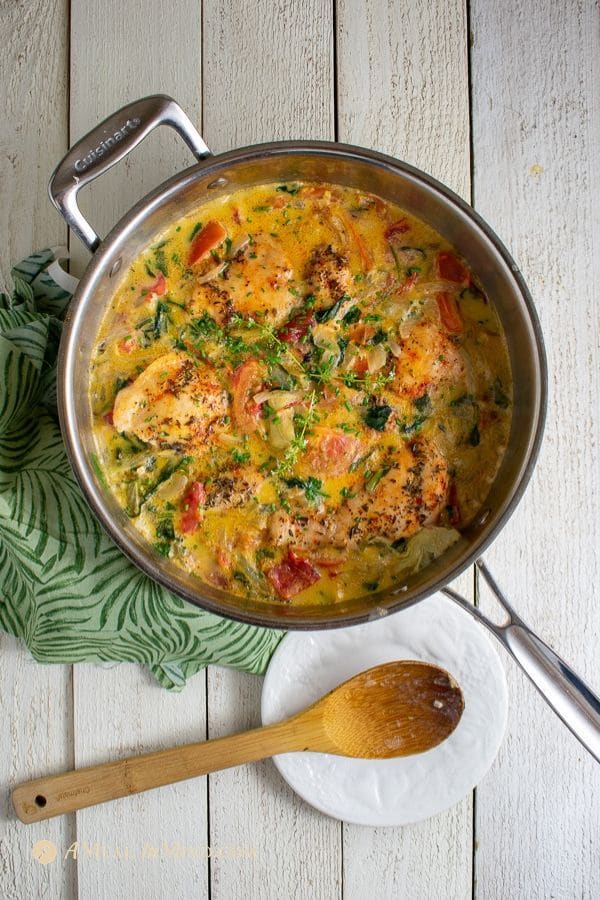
(69, 791)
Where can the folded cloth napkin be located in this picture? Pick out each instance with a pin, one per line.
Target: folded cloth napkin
(65, 588)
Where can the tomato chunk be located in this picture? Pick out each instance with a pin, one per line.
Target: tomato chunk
(191, 514)
(247, 380)
(159, 287)
(206, 240)
(292, 575)
(297, 328)
(409, 283)
(449, 267)
(399, 227)
(449, 312)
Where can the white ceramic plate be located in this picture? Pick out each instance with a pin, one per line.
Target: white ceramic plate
(400, 791)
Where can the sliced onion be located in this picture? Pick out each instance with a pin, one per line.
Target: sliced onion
(429, 288)
(172, 487)
(324, 335)
(281, 429)
(376, 358)
(239, 245)
(279, 399)
(212, 273)
(395, 347)
(230, 440)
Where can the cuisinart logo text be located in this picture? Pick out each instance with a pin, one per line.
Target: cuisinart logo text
(104, 146)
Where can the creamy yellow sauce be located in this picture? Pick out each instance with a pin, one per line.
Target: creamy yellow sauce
(300, 392)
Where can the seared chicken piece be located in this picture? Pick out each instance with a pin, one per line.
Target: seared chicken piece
(175, 403)
(429, 360)
(233, 489)
(328, 275)
(408, 496)
(255, 282)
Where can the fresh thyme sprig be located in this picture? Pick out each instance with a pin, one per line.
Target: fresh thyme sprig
(299, 443)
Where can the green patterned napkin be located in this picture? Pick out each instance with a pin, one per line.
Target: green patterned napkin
(65, 589)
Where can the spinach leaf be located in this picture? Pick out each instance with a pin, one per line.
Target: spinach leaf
(499, 395)
(330, 312)
(377, 415)
(352, 316)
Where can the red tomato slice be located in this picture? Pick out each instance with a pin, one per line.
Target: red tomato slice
(191, 514)
(127, 344)
(206, 240)
(399, 227)
(452, 507)
(360, 366)
(297, 328)
(409, 284)
(247, 380)
(159, 287)
(449, 267)
(292, 575)
(449, 312)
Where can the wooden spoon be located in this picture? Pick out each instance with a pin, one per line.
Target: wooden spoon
(395, 709)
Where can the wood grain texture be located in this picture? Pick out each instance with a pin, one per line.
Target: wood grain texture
(36, 711)
(36, 707)
(293, 851)
(403, 89)
(536, 118)
(403, 83)
(34, 116)
(150, 845)
(268, 72)
(268, 75)
(121, 52)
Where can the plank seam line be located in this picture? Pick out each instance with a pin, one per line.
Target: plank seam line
(334, 63)
(208, 781)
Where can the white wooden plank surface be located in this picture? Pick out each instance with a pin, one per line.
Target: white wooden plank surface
(121, 52)
(151, 845)
(36, 707)
(403, 89)
(36, 712)
(403, 83)
(255, 92)
(536, 117)
(34, 115)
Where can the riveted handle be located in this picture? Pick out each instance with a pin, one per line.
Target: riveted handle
(106, 145)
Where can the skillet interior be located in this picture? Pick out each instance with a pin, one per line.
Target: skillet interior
(396, 182)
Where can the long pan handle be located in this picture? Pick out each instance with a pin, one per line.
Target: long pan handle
(568, 695)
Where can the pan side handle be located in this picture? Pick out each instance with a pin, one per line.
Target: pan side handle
(568, 695)
(105, 145)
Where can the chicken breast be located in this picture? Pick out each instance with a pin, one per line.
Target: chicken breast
(176, 402)
(256, 282)
(429, 360)
(328, 275)
(409, 495)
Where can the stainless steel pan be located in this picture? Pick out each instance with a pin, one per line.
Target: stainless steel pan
(398, 182)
